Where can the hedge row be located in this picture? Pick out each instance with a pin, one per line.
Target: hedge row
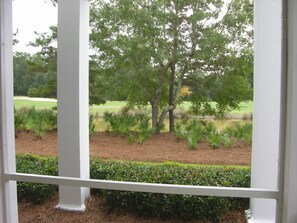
(183, 207)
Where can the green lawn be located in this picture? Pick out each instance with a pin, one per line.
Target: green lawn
(30, 102)
(111, 106)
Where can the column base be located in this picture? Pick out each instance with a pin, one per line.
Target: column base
(69, 207)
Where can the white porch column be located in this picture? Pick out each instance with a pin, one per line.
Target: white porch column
(267, 90)
(73, 99)
(8, 196)
(288, 204)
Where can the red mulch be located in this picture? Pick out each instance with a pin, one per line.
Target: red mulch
(97, 212)
(158, 148)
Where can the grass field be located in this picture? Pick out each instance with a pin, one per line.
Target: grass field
(116, 106)
(110, 106)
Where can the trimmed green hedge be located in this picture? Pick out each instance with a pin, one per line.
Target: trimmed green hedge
(33, 164)
(148, 204)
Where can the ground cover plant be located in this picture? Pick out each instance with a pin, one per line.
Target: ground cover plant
(38, 121)
(150, 204)
(130, 125)
(195, 130)
(137, 127)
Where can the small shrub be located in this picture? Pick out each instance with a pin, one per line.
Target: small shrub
(40, 121)
(183, 207)
(143, 128)
(214, 139)
(91, 125)
(37, 193)
(131, 138)
(121, 124)
(179, 131)
(19, 121)
(125, 124)
(244, 132)
(195, 132)
(227, 140)
(210, 128)
(247, 133)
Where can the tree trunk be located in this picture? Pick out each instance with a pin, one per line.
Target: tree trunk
(155, 116)
(171, 98)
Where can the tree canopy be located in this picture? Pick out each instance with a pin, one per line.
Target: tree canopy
(150, 49)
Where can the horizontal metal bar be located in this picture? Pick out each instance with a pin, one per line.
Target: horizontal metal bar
(146, 187)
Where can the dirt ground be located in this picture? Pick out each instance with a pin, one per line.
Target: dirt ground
(97, 212)
(158, 148)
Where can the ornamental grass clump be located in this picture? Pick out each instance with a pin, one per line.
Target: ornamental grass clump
(244, 133)
(39, 121)
(19, 121)
(214, 139)
(130, 125)
(143, 128)
(195, 132)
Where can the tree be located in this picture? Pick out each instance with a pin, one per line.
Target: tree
(30, 76)
(47, 64)
(22, 79)
(148, 49)
(44, 63)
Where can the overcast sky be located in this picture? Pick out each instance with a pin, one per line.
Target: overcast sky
(30, 16)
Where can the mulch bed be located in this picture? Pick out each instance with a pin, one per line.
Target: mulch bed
(158, 148)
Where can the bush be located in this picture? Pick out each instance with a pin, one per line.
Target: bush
(195, 132)
(91, 125)
(129, 125)
(39, 121)
(182, 207)
(244, 132)
(121, 124)
(214, 140)
(143, 128)
(32, 164)
(19, 121)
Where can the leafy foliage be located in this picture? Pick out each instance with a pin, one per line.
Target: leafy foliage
(40, 121)
(32, 77)
(182, 207)
(37, 193)
(129, 125)
(37, 121)
(91, 125)
(214, 139)
(195, 130)
(152, 51)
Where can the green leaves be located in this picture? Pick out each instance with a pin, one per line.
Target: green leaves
(37, 121)
(182, 207)
(137, 42)
(130, 125)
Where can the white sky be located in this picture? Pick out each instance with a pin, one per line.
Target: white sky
(30, 16)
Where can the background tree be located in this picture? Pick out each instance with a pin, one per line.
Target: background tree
(233, 83)
(44, 62)
(30, 77)
(152, 47)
